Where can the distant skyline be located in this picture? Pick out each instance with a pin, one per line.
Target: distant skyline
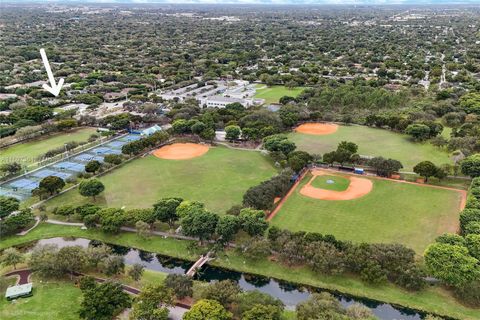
(267, 2)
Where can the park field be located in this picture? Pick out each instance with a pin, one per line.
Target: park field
(274, 93)
(219, 179)
(27, 152)
(393, 212)
(373, 142)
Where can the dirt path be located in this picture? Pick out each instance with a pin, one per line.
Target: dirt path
(23, 275)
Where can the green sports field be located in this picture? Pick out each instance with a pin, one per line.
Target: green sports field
(373, 142)
(219, 179)
(53, 300)
(334, 183)
(392, 212)
(274, 93)
(27, 152)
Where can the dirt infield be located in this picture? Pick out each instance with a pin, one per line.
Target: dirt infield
(358, 188)
(317, 128)
(181, 151)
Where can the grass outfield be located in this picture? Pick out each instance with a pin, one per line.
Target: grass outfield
(392, 212)
(340, 183)
(27, 152)
(219, 179)
(431, 299)
(274, 93)
(373, 142)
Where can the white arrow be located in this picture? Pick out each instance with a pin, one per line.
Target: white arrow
(53, 88)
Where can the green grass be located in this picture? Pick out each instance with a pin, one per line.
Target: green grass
(219, 179)
(392, 212)
(340, 183)
(373, 142)
(54, 300)
(432, 299)
(274, 93)
(28, 152)
(59, 300)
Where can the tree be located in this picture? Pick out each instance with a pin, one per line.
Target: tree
(470, 166)
(385, 167)
(257, 248)
(182, 285)
(473, 245)
(91, 188)
(418, 132)
(253, 221)
(349, 146)
(425, 169)
(142, 229)
(165, 210)
(199, 223)
(208, 134)
(232, 132)
(152, 303)
(104, 301)
(227, 228)
(297, 160)
(11, 257)
(10, 168)
(278, 143)
(452, 264)
(8, 205)
(225, 292)
(207, 310)
(115, 159)
(113, 265)
(51, 184)
(262, 312)
(249, 299)
(111, 219)
(92, 166)
(71, 259)
(323, 304)
(136, 271)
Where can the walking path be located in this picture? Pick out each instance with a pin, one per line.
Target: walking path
(22, 274)
(37, 221)
(199, 264)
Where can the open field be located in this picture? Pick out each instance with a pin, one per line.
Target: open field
(27, 152)
(393, 212)
(219, 179)
(432, 299)
(55, 300)
(373, 142)
(274, 93)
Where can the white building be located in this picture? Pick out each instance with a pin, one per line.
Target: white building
(221, 102)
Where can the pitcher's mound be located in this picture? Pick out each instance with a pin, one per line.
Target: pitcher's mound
(317, 128)
(181, 151)
(357, 188)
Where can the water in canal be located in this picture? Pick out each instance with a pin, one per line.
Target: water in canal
(289, 293)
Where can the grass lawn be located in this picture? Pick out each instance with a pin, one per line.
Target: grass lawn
(392, 212)
(274, 93)
(54, 300)
(373, 142)
(432, 299)
(28, 152)
(219, 179)
(339, 183)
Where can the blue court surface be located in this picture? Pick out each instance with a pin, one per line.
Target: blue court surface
(130, 138)
(47, 172)
(70, 166)
(116, 144)
(86, 157)
(23, 184)
(105, 150)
